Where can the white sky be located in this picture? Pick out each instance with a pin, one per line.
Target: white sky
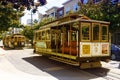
(42, 9)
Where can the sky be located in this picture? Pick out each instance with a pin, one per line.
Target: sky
(50, 4)
(42, 9)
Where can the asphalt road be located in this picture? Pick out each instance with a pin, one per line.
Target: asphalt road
(28, 62)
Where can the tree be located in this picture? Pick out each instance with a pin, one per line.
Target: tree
(105, 10)
(91, 10)
(111, 11)
(28, 32)
(25, 3)
(11, 11)
(43, 22)
(8, 16)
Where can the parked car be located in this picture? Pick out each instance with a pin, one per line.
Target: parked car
(115, 52)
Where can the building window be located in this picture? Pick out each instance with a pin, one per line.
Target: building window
(52, 14)
(97, 0)
(60, 13)
(117, 38)
(75, 7)
(67, 10)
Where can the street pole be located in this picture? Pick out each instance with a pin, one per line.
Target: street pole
(31, 19)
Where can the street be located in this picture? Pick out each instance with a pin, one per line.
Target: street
(28, 66)
(74, 37)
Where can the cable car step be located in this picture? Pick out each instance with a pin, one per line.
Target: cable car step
(63, 60)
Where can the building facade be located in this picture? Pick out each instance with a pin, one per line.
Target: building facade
(115, 39)
(52, 12)
(71, 5)
(68, 6)
(60, 12)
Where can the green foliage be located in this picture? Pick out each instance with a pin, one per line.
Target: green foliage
(91, 10)
(112, 14)
(43, 22)
(104, 10)
(0, 36)
(9, 17)
(28, 32)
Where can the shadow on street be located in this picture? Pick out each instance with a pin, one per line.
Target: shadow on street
(63, 71)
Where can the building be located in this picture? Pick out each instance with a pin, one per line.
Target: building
(115, 39)
(71, 5)
(60, 12)
(52, 12)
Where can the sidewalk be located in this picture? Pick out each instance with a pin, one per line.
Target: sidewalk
(9, 72)
(2, 51)
(112, 69)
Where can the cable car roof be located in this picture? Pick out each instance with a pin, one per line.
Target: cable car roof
(71, 19)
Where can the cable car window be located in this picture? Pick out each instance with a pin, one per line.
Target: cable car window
(23, 38)
(85, 31)
(104, 32)
(36, 36)
(19, 38)
(43, 35)
(48, 34)
(39, 35)
(73, 38)
(52, 35)
(96, 32)
(15, 38)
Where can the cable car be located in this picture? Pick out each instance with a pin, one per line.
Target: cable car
(74, 39)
